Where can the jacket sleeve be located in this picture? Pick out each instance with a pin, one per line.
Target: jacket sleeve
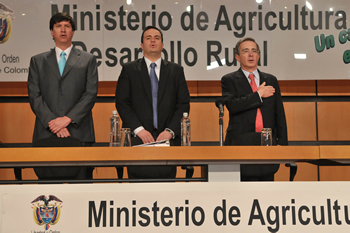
(234, 100)
(123, 101)
(182, 103)
(89, 96)
(37, 103)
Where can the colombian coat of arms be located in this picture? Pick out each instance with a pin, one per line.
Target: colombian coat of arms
(46, 210)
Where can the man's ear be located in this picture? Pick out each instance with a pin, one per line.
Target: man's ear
(238, 58)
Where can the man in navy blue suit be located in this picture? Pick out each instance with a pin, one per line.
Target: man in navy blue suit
(244, 104)
(152, 117)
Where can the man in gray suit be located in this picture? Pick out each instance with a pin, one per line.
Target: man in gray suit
(62, 86)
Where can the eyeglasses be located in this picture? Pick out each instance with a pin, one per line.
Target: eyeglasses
(254, 51)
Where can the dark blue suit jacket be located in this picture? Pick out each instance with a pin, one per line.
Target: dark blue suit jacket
(242, 104)
(134, 97)
(134, 105)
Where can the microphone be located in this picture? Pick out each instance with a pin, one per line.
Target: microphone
(219, 102)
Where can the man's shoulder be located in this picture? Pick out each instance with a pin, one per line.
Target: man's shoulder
(267, 75)
(43, 54)
(82, 52)
(171, 64)
(133, 63)
(234, 74)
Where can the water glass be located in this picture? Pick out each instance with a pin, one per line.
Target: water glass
(266, 137)
(125, 135)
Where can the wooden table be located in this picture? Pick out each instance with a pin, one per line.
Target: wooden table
(223, 162)
(335, 155)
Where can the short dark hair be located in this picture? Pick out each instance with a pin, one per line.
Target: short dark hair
(59, 17)
(243, 40)
(151, 27)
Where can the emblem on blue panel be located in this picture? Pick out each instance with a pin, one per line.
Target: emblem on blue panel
(46, 211)
(5, 22)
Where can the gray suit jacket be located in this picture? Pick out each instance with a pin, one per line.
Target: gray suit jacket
(72, 95)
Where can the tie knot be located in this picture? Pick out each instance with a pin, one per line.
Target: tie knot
(63, 54)
(251, 76)
(153, 65)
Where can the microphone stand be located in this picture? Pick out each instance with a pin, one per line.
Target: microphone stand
(221, 123)
(220, 102)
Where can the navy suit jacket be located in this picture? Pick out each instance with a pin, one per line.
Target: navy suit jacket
(134, 97)
(134, 105)
(242, 104)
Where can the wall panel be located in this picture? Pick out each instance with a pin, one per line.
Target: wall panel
(209, 88)
(101, 114)
(335, 173)
(301, 121)
(298, 88)
(305, 172)
(205, 122)
(16, 123)
(333, 121)
(333, 87)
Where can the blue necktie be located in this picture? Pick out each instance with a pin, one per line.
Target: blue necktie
(62, 62)
(154, 84)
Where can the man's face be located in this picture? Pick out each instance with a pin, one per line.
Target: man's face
(152, 45)
(248, 56)
(63, 33)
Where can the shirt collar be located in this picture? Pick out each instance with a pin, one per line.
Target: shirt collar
(59, 51)
(148, 62)
(255, 72)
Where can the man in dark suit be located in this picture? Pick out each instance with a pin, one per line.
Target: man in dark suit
(247, 104)
(151, 97)
(62, 86)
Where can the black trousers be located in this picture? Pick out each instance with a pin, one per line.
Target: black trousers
(255, 172)
(64, 172)
(147, 171)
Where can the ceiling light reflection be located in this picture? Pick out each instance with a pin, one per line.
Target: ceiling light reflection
(299, 55)
(309, 5)
(215, 64)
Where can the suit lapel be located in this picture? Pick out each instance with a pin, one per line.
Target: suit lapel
(262, 77)
(145, 79)
(244, 82)
(53, 64)
(163, 79)
(73, 58)
(264, 111)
